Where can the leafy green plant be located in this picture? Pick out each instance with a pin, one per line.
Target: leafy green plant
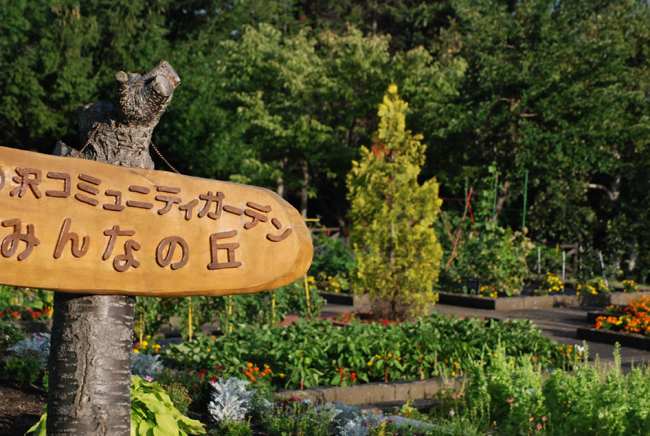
(313, 354)
(152, 413)
(483, 248)
(523, 399)
(233, 428)
(197, 383)
(152, 408)
(296, 416)
(179, 396)
(332, 257)
(22, 369)
(391, 215)
(9, 335)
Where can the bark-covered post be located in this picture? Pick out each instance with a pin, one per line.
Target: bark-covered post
(90, 359)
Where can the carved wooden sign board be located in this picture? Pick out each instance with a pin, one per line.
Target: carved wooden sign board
(76, 225)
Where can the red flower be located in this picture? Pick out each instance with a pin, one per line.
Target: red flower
(213, 379)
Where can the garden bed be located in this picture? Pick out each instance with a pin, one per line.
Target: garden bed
(522, 302)
(345, 299)
(632, 340)
(377, 392)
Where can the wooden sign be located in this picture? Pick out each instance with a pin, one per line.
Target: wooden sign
(75, 225)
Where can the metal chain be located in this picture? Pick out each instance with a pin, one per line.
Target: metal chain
(163, 158)
(92, 136)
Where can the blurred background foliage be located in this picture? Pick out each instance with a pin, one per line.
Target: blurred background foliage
(283, 94)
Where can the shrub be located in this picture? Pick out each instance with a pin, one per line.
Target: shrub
(391, 214)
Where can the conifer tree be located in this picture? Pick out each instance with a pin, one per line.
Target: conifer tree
(397, 252)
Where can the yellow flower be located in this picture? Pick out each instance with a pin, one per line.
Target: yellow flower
(281, 375)
(369, 363)
(136, 351)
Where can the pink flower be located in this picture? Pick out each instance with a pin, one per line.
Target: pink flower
(539, 426)
(510, 400)
(543, 418)
(149, 378)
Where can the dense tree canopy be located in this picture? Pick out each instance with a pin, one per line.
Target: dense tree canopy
(283, 95)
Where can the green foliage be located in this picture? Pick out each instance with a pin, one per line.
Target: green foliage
(297, 417)
(332, 256)
(25, 304)
(316, 354)
(592, 399)
(233, 311)
(483, 248)
(197, 384)
(233, 428)
(152, 408)
(179, 396)
(391, 214)
(9, 335)
(22, 369)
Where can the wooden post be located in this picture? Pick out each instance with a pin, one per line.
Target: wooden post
(92, 335)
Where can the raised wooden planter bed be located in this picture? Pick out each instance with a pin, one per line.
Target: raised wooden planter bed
(631, 340)
(378, 392)
(537, 302)
(345, 299)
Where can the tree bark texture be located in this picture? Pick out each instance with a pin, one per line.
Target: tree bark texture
(92, 335)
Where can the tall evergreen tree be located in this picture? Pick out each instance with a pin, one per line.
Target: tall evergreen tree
(391, 214)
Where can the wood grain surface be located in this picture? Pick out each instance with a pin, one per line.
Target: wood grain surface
(75, 225)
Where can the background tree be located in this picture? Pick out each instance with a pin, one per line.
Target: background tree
(397, 251)
(557, 90)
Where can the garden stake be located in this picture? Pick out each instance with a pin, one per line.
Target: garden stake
(539, 260)
(230, 313)
(602, 265)
(563, 264)
(307, 294)
(421, 374)
(190, 316)
(523, 220)
(273, 308)
(141, 327)
(469, 196)
(496, 196)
